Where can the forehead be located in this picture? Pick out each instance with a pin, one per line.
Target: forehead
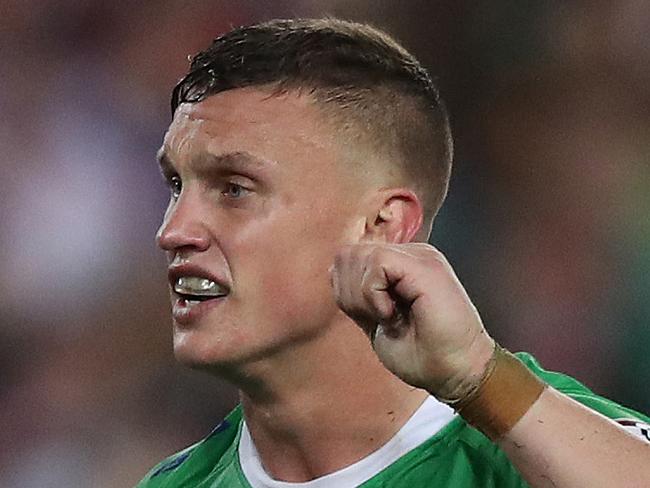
(282, 127)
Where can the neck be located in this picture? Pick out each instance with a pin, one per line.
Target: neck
(324, 406)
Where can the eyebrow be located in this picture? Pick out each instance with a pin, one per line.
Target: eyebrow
(209, 163)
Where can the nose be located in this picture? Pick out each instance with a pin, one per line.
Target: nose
(183, 227)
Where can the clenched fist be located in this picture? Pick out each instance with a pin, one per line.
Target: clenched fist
(422, 324)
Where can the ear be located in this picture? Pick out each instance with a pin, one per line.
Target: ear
(397, 218)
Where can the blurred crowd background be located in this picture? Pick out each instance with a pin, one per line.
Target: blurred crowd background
(547, 221)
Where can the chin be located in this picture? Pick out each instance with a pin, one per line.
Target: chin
(194, 351)
(209, 352)
(221, 364)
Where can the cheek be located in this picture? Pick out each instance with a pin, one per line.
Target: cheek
(294, 275)
(296, 301)
(292, 281)
(284, 261)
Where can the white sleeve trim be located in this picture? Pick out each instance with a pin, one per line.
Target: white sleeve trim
(635, 427)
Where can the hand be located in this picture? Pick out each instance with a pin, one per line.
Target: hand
(423, 326)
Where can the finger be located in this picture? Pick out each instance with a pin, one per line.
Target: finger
(374, 289)
(399, 272)
(369, 301)
(347, 278)
(388, 288)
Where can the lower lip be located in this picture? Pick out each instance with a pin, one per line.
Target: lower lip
(186, 313)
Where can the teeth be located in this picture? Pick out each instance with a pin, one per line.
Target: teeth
(194, 285)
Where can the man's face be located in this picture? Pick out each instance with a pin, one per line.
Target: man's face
(260, 205)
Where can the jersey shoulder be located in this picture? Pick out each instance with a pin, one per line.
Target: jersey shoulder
(196, 462)
(579, 392)
(459, 456)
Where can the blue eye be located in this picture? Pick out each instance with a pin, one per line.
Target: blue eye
(176, 186)
(233, 190)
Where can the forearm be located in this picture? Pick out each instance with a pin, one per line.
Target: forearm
(440, 344)
(560, 443)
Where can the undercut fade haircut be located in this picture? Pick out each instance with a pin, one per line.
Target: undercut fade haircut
(373, 88)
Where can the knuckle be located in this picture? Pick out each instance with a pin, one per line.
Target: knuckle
(376, 257)
(436, 259)
(424, 247)
(347, 254)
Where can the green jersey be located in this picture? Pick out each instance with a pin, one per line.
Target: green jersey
(456, 456)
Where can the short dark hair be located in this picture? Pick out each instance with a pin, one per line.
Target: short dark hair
(364, 78)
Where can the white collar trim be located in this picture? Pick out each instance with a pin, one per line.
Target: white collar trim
(428, 419)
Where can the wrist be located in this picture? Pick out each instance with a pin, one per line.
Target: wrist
(478, 361)
(504, 393)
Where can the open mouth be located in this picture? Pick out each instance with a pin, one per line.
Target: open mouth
(196, 298)
(194, 294)
(198, 289)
